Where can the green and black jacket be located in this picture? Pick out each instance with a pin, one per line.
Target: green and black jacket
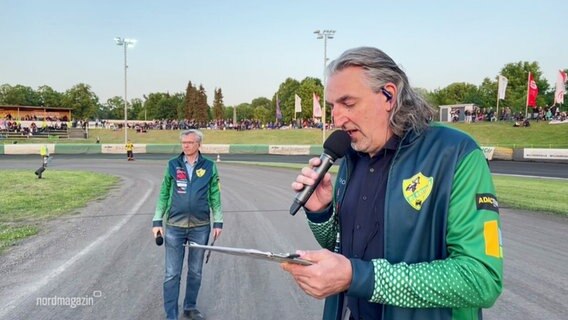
(185, 203)
(442, 242)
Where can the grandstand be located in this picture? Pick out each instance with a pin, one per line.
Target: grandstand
(31, 122)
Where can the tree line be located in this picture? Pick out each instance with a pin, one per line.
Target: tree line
(192, 104)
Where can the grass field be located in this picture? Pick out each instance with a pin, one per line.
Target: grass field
(502, 134)
(532, 194)
(26, 202)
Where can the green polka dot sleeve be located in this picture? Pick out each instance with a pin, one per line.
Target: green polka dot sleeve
(325, 232)
(446, 283)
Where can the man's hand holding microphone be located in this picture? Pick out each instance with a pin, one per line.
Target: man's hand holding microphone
(322, 194)
(158, 235)
(330, 272)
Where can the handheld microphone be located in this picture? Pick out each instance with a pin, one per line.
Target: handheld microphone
(334, 147)
(159, 239)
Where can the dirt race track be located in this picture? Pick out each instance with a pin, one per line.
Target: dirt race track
(105, 255)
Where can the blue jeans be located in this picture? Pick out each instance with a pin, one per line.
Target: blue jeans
(175, 238)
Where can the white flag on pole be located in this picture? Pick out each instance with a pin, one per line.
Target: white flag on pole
(316, 107)
(560, 87)
(502, 87)
(298, 104)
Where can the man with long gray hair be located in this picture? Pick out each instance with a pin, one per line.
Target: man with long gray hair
(411, 229)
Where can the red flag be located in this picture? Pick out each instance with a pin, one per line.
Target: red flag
(316, 107)
(532, 92)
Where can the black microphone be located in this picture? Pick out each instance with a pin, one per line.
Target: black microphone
(159, 239)
(334, 147)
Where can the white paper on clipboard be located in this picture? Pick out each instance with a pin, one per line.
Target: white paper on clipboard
(252, 253)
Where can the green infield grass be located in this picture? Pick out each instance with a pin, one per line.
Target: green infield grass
(26, 202)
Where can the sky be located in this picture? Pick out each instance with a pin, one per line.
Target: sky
(248, 48)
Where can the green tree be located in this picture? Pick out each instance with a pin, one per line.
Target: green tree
(82, 100)
(228, 113)
(456, 93)
(169, 110)
(191, 100)
(262, 114)
(103, 112)
(4, 90)
(244, 111)
(172, 103)
(158, 105)
(201, 115)
(218, 107)
(516, 94)
(19, 95)
(138, 112)
(115, 107)
(286, 92)
(178, 100)
(261, 102)
(49, 97)
(487, 95)
(262, 109)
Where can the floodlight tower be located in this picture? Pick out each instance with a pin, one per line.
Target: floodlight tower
(125, 43)
(325, 34)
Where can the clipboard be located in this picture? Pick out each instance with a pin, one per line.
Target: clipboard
(252, 253)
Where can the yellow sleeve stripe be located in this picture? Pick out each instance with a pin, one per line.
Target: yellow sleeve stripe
(491, 235)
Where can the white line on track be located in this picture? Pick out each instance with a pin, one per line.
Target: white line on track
(17, 298)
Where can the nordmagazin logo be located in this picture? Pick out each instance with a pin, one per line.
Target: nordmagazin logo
(70, 302)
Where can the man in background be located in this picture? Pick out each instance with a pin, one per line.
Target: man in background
(190, 197)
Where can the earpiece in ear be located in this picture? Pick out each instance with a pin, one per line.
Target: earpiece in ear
(387, 94)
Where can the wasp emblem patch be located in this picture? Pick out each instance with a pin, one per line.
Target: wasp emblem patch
(200, 172)
(417, 189)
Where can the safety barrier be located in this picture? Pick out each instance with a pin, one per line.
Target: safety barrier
(491, 153)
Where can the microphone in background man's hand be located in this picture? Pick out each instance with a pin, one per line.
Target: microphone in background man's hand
(159, 239)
